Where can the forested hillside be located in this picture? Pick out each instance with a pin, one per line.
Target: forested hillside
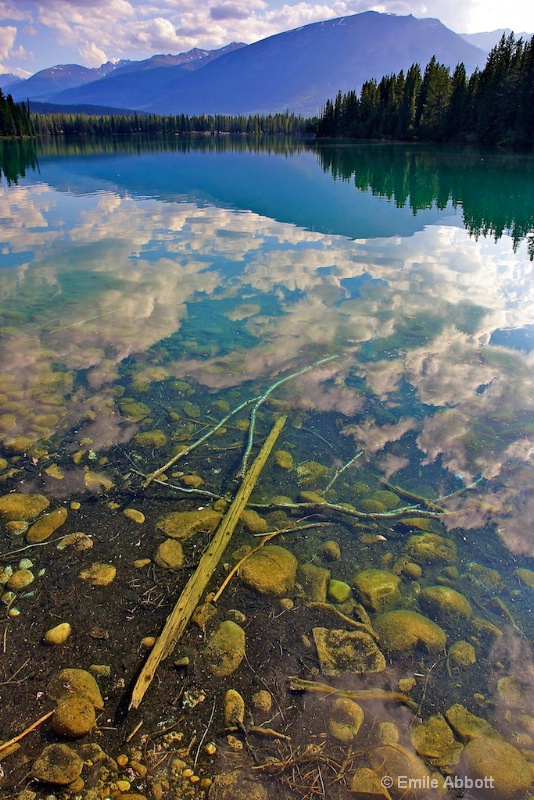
(494, 106)
(15, 118)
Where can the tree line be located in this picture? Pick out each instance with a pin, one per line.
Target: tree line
(168, 125)
(15, 118)
(493, 107)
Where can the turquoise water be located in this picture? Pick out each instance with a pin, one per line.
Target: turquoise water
(149, 289)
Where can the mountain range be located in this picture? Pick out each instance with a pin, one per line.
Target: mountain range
(297, 70)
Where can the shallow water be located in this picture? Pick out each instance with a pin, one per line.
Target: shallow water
(153, 287)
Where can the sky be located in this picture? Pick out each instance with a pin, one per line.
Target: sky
(36, 34)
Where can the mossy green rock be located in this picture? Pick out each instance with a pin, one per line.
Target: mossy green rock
(468, 726)
(226, 649)
(377, 589)
(41, 530)
(394, 760)
(338, 591)
(133, 410)
(526, 577)
(314, 581)
(253, 522)
(236, 785)
(17, 506)
(70, 682)
(430, 548)
(169, 554)
(345, 720)
(434, 740)
(272, 570)
(183, 524)
(403, 631)
(462, 654)
(283, 459)
(366, 785)
(347, 651)
(492, 757)
(57, 764)
(445, 605)
(153, 439)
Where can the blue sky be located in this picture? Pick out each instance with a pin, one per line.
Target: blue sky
(35, 34)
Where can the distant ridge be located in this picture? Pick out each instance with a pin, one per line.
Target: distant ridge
(297, 70)
(36, 107)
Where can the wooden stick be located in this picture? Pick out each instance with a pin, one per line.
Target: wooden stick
(24, 733)
(190, 597)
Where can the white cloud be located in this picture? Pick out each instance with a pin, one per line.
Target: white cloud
(7, 40)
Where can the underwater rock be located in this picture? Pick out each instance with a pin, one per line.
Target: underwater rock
(96, 481)
(484, 578)
(192, 481)
(262, 700)
(311, 497)
(17, 506)
(338, 591)
(394, 760)
(347, 651)
(512, 691)
(412, 570)
(226, 649)
(283, 459)
(74, 717)
(184, 524)
(434, 741)
(430, 548)
(234, 709)
(310, 472)
(403, 631)
(331, 551)
(272, 570)
(462, 654)
(366, 785)
(377, 589)
(153, 439)
(372, 506)
(314, 581)
(20, 580)
(236, 785)
(134, 515)
(57, 764)
(444, 604)
(41, 530)
(526, 577)
(169, 554)
(388, 499)
(485, 757)
(468, 726)
(253, 522)
(58, 634)
(345, 719)
(69, 682)
(19, 445)
(99, 574)
(133, 410)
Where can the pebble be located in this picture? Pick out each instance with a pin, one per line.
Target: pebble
(58, 634)
(134, 515)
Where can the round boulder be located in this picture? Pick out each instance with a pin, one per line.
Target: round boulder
(499, 769)
(345, 720)
(74, 717)
(403, 631)
(272, 570)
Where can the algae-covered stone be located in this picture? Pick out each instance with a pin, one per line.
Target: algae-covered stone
(377, 589)
(331, 550)
(314, 581)
(74, 717)
(435, 741)
(20, 580)
(234, 708)
(58, 634)
(236, 785)
(99, 574)
(153, 439)
(485, 757)
(526, 577)
(347, 651)
(78, 682)
(57, 764)
(430, 548)
(468, 726)
(253, 522)
(338, 591)
(366, 785)
(513, 692)
(310, 472)
(17, 506)
(389, 499)
(272, 570)
(345, 720)
(41, 530)
(134, 515)
(169, 554)
(462, 654)
(133, 410)
(226, 649)
(184, 524)
(445, 605)
(403, 631)
(396, 761)
(283, 459)
(311, 497)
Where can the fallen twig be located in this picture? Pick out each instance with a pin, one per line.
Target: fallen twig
(16, 739)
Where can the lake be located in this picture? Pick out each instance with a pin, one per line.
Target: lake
(360, 319)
